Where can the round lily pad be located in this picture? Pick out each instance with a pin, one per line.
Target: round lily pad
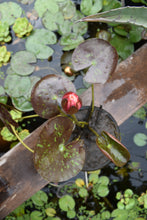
(100, 120)
(22, 104)
(54, 159)
(42, 5)
(17, 86)
(95, 54)
(47, 94)
(21, 63)
(37, 43)
(9, 12)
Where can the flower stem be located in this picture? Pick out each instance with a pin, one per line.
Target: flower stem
(29, 116)
(94, 132)
(79, 123)
(15, 132)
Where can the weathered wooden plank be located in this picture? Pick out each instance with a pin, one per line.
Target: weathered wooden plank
(122, 95)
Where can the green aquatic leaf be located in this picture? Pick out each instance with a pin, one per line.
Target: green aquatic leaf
(36, 215)
(41, 6)
(38, 42)
(9, 12)
(123, 46)
(22, 104)
(91, 6)
(39, 198)
(22, 61)
(66, 203)
(141, 113)
(140, 139)
(129, 15)
(70, 41)
(17, 86)
(110, 4)
(113, 149)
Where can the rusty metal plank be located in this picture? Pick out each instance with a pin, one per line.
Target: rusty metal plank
(121, 95)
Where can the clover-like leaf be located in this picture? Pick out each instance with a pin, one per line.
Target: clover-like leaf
(113, 149)
(47, 94)
(90, 7)
(9, 12)
(38, 42)
(95, 54)
(17, 86)
(21, 63)
(54, 159)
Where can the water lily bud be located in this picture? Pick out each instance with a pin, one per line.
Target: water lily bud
(71, 103)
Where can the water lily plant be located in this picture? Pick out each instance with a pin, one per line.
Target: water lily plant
(74, 137)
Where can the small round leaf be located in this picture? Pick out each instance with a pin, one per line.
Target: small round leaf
(21, 62)
(66, 203)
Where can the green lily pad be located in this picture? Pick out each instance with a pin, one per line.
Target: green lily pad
(37, 43)
(41, 6)
(140, 139)
(66, 203)
(9, 12)
(95, 54)
(51, 21)
(21, 63)
(113, 149)
(54, 159)
(91, 7)
(123, 46)
(17, 86)
(47, 94)
(68, 9)
(22, 104)
(70, 41)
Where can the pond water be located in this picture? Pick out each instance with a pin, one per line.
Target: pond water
(127, 177)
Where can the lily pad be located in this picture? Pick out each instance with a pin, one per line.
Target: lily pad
(91, 7)
(22, 104)
(95, 54)
(51, 21)
(47, 94)
(113, 149)
(41, 6)
(70, 41)
(37, 43)
(54, 159)
(17, 86)
(123, 46)
(9, 12)
(99, 121)
(21, 63)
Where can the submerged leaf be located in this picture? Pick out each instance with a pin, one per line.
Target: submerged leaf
(47, 94)
(54, 159)
(41, 6)
(95, 54)
(113, 149)
(129, 15)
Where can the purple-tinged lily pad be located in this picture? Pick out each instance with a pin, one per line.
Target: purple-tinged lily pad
(113, 149)
(95, 54)
(47, 94)
(54, 158)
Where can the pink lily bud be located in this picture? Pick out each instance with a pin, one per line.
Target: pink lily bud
(71, 103)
